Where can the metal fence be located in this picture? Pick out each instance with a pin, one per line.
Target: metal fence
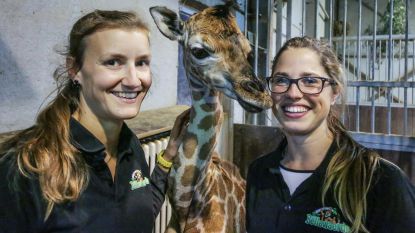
(152, 146)
(373, 41)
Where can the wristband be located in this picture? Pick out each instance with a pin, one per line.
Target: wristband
(160, 160)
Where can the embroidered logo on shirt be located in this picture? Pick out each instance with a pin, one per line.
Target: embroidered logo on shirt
(137, 180)
(327, 218)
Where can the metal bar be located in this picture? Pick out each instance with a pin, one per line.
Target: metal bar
(256, 36)
(389, 119)
(385, 142)
(289, 19)
(303, 18)
(374, 39)
(405, 91)
(359, 34)
(379, 37)
(316, 2)
(246, 19)
(390, 56)
(254, 116)
(389, 84)
(344, 32)
(357, 112)
(269, 37)
(331, 23)
(279, 26)
(372, 111)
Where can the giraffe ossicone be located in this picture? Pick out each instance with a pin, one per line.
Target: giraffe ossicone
(207, 193)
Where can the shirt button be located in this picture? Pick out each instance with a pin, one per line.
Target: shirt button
(287, 207)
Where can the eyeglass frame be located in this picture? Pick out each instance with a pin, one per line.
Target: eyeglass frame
(295, 81)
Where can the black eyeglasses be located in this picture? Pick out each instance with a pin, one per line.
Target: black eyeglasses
(307, 85)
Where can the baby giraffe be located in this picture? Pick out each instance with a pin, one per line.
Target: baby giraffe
(207, 193)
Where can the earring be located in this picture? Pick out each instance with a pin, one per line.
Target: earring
(75, 84)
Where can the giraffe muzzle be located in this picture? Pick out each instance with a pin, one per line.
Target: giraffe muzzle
(252, 86)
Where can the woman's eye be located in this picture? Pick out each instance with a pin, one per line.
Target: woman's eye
(142, 63)
(280, 81)
(199, 53)
(309, 80)
(112, 62)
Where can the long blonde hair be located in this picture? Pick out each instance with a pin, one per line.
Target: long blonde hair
(44, 150)
(350, 171)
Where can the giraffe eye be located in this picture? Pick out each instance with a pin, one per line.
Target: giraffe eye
(200, 53)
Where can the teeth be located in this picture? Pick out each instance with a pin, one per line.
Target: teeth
(295, 109)
(126, 95)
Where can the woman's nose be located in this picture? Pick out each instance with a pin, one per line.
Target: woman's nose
(131, 76)
(294, 92)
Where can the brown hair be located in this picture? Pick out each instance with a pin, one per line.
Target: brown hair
(352, 167)
(44, 150)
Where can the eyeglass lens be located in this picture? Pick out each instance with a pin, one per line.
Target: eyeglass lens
(307, 85)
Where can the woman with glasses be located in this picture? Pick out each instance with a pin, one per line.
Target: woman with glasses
(319, 179)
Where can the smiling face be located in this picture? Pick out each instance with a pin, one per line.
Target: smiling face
(115, 75)
(298, 113)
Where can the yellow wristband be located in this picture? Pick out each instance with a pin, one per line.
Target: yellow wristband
(162, 161)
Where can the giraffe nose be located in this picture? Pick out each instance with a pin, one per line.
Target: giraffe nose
(252, 86)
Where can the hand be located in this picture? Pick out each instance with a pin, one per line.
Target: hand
(176, 135)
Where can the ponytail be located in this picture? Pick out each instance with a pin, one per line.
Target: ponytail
(352, 167)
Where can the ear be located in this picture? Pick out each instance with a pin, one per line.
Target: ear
(168, 22)
(71, 67)
(334, 98)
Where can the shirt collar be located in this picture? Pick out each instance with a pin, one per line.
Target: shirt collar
(88, 144)
(277, 157)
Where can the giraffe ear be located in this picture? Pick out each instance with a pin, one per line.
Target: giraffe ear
(168, 22)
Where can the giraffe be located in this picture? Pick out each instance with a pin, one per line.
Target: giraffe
(207, 193)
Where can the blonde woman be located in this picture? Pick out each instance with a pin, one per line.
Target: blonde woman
(319, 179)
(80, 168)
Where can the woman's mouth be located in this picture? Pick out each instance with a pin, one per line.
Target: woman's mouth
(125, 94)
(295, 109)
(295, 112)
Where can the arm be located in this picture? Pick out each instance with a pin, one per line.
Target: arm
(176, 138)
(160, 173)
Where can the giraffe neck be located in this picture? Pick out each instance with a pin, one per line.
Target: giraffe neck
(195, 153)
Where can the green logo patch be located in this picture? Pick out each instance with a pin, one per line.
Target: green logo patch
(327, 218)
(137, 180)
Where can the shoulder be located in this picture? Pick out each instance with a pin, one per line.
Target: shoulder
(391, 200)
(391, 183)
(8, 166)
(260, 166)
(388, 173)
(15, 181)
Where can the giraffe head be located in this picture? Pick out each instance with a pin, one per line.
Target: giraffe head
(215, 54)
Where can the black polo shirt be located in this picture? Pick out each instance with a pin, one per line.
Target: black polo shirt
(271, 208)
(130, 203)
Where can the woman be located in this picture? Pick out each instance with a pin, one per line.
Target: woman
(80, 168)
(319, 179)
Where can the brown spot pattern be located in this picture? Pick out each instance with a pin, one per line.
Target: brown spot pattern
(231, 212)
(215, 217)
(189, 145)
(186, 196)
(208, 107)
(191, 173)
(206, 123)
(206, 148)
